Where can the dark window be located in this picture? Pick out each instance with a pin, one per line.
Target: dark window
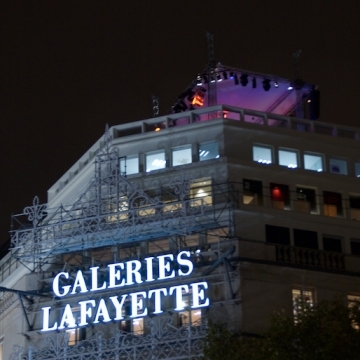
(277, 235)
(355, 247)
(305, 238)
(332, 204)
(280, 196)
(332, 244)
(306, 200)
(252, 192)
(354, 202)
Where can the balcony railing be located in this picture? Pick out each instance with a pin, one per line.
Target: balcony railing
(310, 257)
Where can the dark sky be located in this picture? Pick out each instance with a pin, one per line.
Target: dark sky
(68, 68)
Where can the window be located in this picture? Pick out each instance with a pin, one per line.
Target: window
(280, 196)
(277, 235)
(332, 204)
(332, 244)
(188, 316)
(209, 151)
(201, 190)
(355, 246)
(181, 156)
(1, 347)
(129, 165)
(306, 200)
(78, 334)
(288, 158)
(252, 194)
(155, 160)
(300, 299)
(313, 162)
(305, 239)
(158, 246)
(135, 326)
(338, 166)
(262, 154)
(357, 169)
(354, 302)
(354, 202)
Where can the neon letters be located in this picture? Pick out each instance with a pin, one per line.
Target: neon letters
(120, 275)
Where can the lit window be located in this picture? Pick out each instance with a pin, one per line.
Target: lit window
(306, 200)
(78, 334)
(313, 162)
(135, 326)
(252, 192)
(262, 154)
(129, 165)
(288, 158)
(189, 316)
(354, 202)
(301, 299)
(158, 246)
(208, 151)
(357, 169)
(201, 192)
(181, 156)
(280, 196)
(155, 161)
(332, 204)
(354, 302)
(338, 166)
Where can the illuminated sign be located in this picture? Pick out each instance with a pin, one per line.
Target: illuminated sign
(120, 275)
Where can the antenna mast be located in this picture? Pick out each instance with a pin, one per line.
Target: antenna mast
(211, 71)
(298, 85)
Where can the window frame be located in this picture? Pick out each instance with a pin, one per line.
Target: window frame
(341, 162)
(320, 156)
(261, 160)
(154, 153)
(201, 145)
(125, 159)
(180, 148)
(289, 151)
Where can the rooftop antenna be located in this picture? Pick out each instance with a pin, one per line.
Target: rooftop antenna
(155, 104)
(211, 71)
(298, 84)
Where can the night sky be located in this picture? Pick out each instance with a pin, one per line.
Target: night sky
(68, 68)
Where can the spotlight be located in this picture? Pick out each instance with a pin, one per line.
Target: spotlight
(198, 80)
(236, 79)
(231, 74)
(276, 84)
(218, 77)
(225, 75)
(244, 79)
(266, 84)
(157, 128)
(290, 87)
(254, 82)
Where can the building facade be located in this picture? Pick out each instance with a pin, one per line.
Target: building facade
(229, 208)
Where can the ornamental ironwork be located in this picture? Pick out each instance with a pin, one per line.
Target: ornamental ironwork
(110, 211)
(164, 341)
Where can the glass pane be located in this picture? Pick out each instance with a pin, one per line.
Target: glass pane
(208, 151)
(181, 156)
(288, 158)
(155, 161)
(313, 162)
(262, 154)
(338, 166)
(357, 169)
(130, 165)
